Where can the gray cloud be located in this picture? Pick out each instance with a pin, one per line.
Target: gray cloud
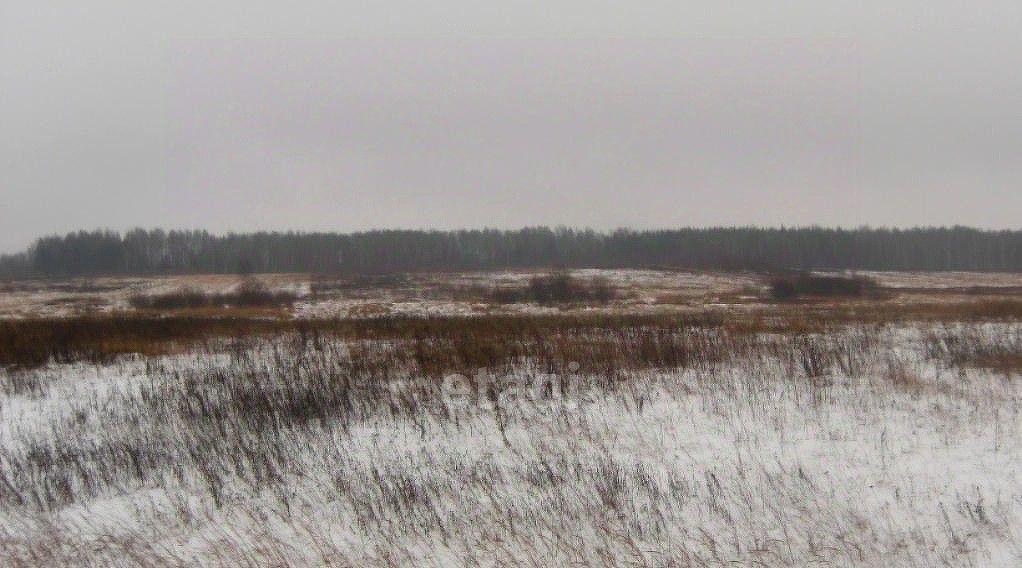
(342, 117)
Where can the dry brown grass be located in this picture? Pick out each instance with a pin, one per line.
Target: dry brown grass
(958, 348)
(340, 425)
(675, 299)
(33, 342)
(216, 312)
(902, 377)
(1006, 363)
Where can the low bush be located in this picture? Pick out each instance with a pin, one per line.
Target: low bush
(250, 293)
(559, 288)
(806, 284)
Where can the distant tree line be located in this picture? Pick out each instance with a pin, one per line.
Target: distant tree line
(386, 251)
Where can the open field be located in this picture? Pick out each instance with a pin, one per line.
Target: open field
(682, 419)
(436, 294)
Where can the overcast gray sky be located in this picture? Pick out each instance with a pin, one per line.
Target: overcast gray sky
(344, 116)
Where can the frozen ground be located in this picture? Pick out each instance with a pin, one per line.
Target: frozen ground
(79, 296)
(645, 291)
(893, 445)
(944, 280)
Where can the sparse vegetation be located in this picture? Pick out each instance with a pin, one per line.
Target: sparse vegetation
(325, 284)
(786, 434)
(34, 342)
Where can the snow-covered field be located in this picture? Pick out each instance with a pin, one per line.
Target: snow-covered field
(422, 294)
(429, 294)
(866, 445)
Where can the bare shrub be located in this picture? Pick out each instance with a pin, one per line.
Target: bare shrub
(250, 293)
(558, 288)
(807, 284)
(813, 356)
